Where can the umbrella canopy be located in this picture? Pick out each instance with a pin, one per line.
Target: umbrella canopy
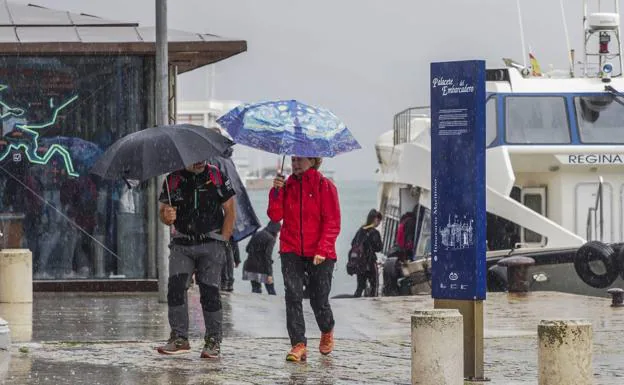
(289, 127)
(82, 153)
(159, 150)
(247, 221)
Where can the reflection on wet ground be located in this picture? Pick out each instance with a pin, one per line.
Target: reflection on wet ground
(110, 339)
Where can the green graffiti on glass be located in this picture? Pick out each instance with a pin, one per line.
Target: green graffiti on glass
(30, 145)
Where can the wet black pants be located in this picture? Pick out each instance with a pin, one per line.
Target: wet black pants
(319, 278)
(256, 287)
(372, 276)
(227, 273)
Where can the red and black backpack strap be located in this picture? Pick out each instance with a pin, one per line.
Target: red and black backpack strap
(215, 175)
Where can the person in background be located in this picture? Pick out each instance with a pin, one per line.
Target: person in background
(308, 204)
(405, 235)
(370, 238)
(79, 198)
(258, 267)
(199, 202)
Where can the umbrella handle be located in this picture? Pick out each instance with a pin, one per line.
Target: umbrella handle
(280, 173)
(127, 182)
(167, 187)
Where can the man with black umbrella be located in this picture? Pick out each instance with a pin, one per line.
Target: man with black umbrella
(199, 202)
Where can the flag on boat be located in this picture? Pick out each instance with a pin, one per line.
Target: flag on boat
(536, 70)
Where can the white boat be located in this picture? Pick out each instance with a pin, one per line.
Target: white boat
(555, 171)
(262, 178)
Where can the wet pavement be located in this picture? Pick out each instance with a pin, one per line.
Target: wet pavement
(110, 339)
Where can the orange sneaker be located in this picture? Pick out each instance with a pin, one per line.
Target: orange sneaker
(297, 353)
(327, 342)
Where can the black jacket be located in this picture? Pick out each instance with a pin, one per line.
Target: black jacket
(260, 252)
(372, 243)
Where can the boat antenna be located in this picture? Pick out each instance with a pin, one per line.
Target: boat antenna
(567, 38)
(524, 54)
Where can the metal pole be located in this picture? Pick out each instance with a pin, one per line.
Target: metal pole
(162, 118)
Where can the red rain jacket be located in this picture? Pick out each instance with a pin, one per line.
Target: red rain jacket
(310, 211)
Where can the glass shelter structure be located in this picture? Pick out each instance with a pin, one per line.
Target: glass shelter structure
(71, 85)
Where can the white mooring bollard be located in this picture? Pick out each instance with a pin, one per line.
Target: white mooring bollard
(565, 352)
(5, 335)
(16, 275)
(437, 347)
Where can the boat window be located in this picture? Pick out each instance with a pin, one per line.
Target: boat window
(600, 120)
(534, 202)
(536, 119)
(491, 121)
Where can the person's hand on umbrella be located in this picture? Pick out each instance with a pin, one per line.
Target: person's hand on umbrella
(278, 182)
(167, 214)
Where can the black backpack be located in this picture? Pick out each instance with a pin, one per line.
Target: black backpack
(357, 262)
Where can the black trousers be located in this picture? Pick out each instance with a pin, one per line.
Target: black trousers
(372, 276)
(295, 270)
(256, 287)
(227, 273)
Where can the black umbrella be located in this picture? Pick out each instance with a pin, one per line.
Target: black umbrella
(159, 150)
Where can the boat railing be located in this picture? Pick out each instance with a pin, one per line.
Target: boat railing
(595, 216)
(403, 123)
(390, 224)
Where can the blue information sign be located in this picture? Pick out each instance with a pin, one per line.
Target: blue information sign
(458, 180)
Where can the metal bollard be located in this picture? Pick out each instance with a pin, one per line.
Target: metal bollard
(437, 347)
(565, 352)
(517, 273)
(617, 296)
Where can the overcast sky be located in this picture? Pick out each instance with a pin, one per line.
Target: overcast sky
(363, 59)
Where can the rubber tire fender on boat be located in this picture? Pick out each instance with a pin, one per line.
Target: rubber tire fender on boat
(497, 278)
(592, 251)
(619, 259)
(391, 275)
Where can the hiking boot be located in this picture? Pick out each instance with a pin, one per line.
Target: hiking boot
(175, 345)
(297, 353)
(212, 348)
(327, 342)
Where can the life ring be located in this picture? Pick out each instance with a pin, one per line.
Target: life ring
(596, 251)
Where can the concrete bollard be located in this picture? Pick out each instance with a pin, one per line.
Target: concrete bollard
(20, 317)
(565, 352)
(437, 347)
(5, 335)
(16, 275)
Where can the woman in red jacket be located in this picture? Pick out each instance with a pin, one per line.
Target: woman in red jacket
(307, 202)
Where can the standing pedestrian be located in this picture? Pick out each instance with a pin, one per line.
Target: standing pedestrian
(308, 204)
(370, 239)
(199, 202)
(258, 268)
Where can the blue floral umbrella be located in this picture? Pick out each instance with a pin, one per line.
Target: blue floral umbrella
(289, 127)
